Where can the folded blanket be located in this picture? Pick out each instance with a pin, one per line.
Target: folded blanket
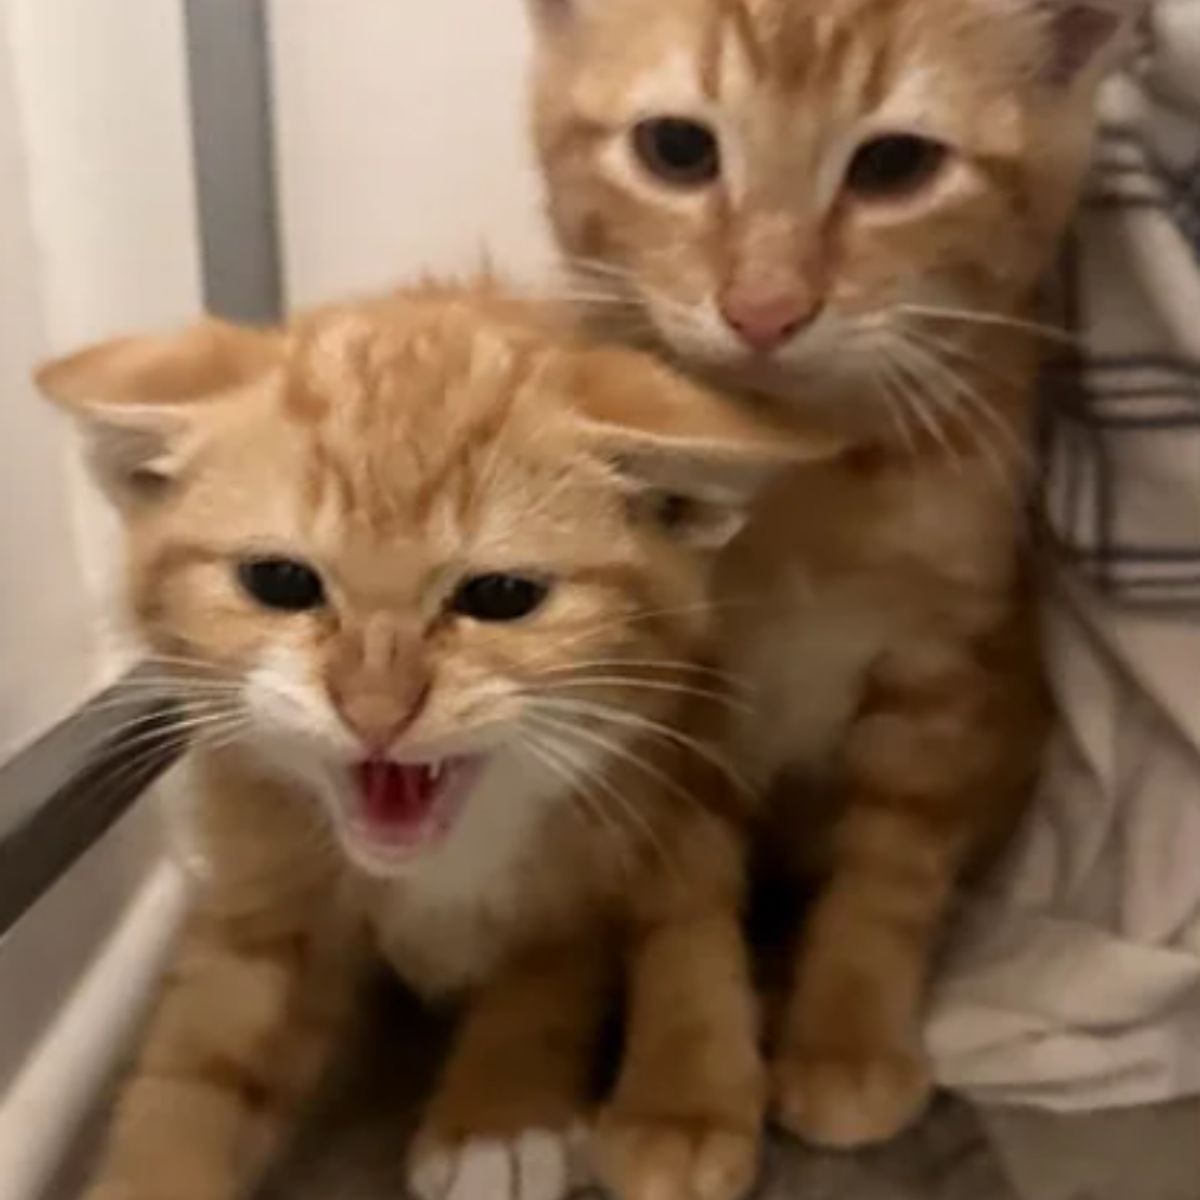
(1073, 980)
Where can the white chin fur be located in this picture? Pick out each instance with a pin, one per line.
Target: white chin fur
(699, 335)
(373, 859)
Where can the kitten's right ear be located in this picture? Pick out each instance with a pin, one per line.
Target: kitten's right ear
(140, 400)
(700, 458)
(551, 16)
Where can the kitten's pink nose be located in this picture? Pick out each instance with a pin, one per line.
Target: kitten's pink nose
(380, 717)
(378, 679)
(763, 319)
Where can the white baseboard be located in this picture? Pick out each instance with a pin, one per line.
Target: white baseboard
(47, 1103)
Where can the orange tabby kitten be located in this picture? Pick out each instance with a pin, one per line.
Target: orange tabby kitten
(429, 581)
(847, 205)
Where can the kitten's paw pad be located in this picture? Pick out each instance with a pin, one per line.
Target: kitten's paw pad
(676, 1160)
(843, 1101)
(538, 1164)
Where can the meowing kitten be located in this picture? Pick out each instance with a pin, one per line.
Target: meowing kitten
(848, 205)
(425, 580)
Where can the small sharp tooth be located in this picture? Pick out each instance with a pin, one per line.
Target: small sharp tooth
(436, 771)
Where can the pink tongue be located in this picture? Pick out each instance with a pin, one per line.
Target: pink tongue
(395, 795)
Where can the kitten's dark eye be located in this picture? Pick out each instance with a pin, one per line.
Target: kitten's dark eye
(677, 150)
(282, 583)
(894, 165)
(499, 597)
(672, 510)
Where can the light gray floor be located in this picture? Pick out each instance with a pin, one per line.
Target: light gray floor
(352, 1147)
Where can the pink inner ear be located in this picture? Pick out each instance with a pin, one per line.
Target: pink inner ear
(1080, 31)
(554, 11)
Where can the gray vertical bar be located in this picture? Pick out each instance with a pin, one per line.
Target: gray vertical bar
(229, 73)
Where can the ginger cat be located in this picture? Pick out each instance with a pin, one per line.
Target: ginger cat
(428, 579)
(845, 207)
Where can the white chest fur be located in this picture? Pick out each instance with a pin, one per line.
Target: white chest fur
(802, 665)
(447, 921)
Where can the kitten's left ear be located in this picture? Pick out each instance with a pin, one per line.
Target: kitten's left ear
(554, 16)
(696, 459)
(549, 14)
(1083, 36)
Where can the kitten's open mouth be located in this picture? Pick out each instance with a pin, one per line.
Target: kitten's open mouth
(404, 806)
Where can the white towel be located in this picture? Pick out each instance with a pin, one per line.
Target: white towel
(1073, 980)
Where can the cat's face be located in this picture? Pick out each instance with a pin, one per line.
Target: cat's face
(396, 544)
(786, 189)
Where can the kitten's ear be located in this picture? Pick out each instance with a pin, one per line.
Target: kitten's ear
(1082, 36)
(552, 16)
(696, 459)
(140, 400)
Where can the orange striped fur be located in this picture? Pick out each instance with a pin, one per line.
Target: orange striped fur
(877, 608)
(397, 446)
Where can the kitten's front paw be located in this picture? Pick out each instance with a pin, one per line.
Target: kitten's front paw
(844, 1100)
(537, 1164)
(676, 1159)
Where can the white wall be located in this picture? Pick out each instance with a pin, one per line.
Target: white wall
(45, 647)
(401, 146)
(97, 235)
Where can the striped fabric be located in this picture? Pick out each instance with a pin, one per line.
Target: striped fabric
(1123, 427)
(1074, 979)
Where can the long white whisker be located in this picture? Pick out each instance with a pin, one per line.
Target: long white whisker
(650, 685)
(950, 400)
(183, 660)
(933, 391)
(617, 752)
(608, 273)
(947, 348)
(984, 416)
(909, 383)
(596, 266)
(638, 617)
(639, 723)
(672, 665)
(979, 317)
(184, 729)
(562, 762)
(896, 404)
(138, 752)
(933, 350)
(141, 700)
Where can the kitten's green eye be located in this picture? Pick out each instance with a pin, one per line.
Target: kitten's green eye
(499, 597)
(282, 584)
(893, 165)
(677, 150)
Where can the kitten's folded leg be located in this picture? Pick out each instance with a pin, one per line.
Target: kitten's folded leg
(940, 763)
(245, 1022)
(507, 1117)
(686, 1120)
(850, 1070)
